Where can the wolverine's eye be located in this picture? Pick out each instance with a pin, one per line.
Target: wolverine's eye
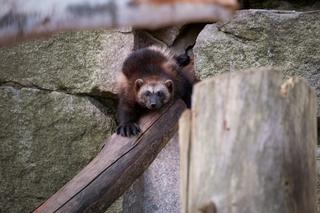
(148, 93)
(159, 94)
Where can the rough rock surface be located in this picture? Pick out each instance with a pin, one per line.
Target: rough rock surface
(157, 190)
(46, 138)
(257, 38)
(166, 35)
(81, 62)
(52, 120)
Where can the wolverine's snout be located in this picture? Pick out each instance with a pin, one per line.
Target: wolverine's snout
(154, 102)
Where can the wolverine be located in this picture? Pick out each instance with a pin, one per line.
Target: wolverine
(151, 78)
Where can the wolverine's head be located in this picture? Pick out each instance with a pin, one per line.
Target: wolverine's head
(153, 94)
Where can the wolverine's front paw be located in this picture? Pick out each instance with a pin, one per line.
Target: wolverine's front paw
(128, 130)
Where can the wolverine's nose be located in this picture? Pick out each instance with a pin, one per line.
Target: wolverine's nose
(153, 106)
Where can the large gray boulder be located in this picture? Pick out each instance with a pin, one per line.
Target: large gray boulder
(157, 190)
(46, 138)
(258, 38)
(80, 62)
(57, 107)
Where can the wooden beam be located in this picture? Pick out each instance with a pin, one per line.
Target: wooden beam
(253, 144)
(21, 20)
(116, 167)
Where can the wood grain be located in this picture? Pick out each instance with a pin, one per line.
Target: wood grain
(253, 143)
(120, 162)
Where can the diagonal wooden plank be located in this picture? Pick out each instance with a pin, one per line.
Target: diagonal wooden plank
(120, 162)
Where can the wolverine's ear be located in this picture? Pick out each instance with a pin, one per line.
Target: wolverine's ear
(169, 85)
(138, 83)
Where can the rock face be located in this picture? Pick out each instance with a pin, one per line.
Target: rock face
(257, 38)
(81, 62)
(52, 120)
(166, 35)
(157, 190)
(46, 138)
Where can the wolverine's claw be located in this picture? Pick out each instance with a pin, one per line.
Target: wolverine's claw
(128, 130)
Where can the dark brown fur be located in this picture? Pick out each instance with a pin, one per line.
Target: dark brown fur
(150, 65)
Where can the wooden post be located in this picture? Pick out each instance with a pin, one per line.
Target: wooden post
(252, 146)
(120, 162)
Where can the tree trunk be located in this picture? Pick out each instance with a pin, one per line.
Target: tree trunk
(252, 146)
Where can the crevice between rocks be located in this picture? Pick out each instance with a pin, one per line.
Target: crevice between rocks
(234, 36)
(103, 100)
(185, 39)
